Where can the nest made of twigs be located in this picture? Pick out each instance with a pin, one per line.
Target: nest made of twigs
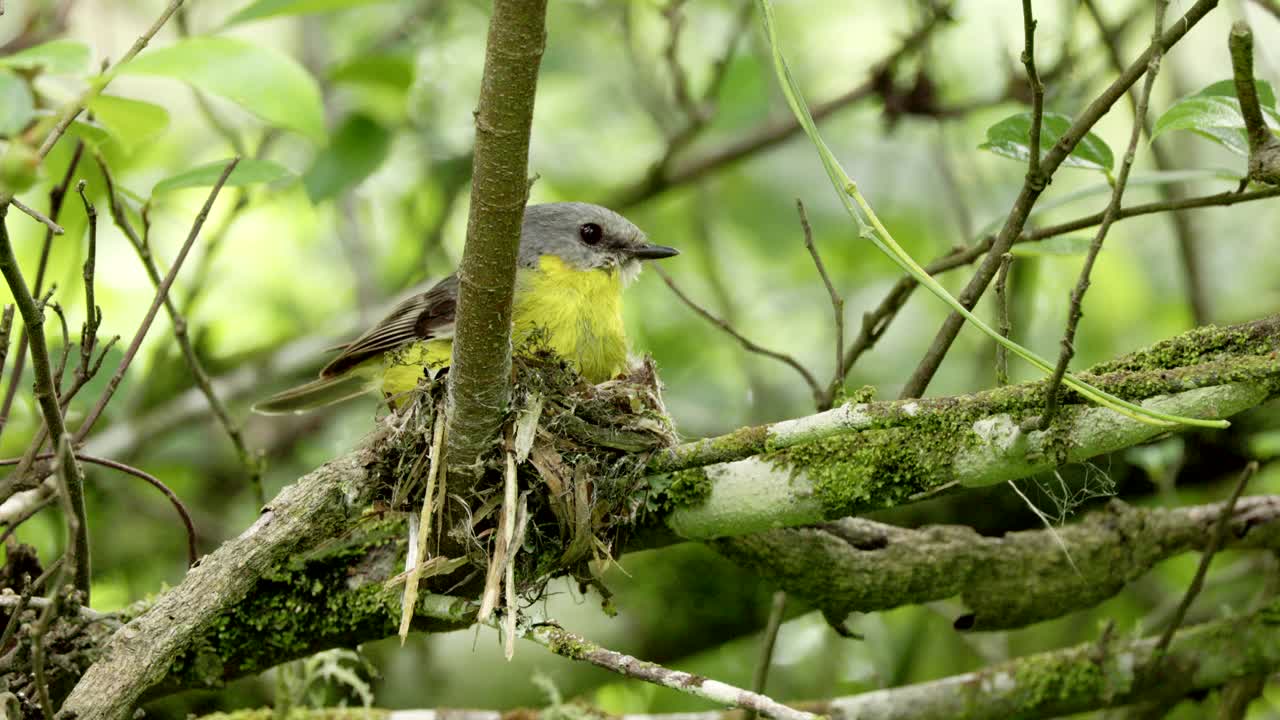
(562, 485)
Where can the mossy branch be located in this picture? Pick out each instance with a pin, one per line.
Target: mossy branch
(1091, 676)
(875, 455)
(857, 565)
(320, 506)
(189, 635)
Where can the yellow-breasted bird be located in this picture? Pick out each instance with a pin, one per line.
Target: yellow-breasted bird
(574, 261)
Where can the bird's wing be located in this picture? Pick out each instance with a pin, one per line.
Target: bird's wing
(421, 317)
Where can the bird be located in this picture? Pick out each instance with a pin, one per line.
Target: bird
(573, 263)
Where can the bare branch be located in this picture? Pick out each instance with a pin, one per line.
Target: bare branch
(184, 514)
(1031, 189)
(747, 345)
(39, 217)
(162, 293)
(6, 328)
(56, 196)
(1075, 311)
(1199, 353)
(325, 503)
(1002, 313)
(71, 110)
(1184, 232)
(760, 680)
(837, 309)
(47, 398)
(670, 174)
(1037, 92)
(249, 460)
(574, 647)
(1215, 542)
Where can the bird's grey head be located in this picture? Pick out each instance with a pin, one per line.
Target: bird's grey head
(586, 237)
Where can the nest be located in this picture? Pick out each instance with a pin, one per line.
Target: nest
(559, 490)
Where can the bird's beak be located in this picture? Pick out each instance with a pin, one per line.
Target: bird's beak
(653, 252)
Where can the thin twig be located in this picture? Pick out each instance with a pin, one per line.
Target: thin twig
(1002, 316)
(876, 322)
(85, 613)
(1075, 311)
(1037, 92)
(574, 647)
(39, 217)
(837, 309)
(28, 513)
(192, 551)
(6, 328)
(65, 352)
(774, 133)
(56, 196)
(760, 680)
(1022, 206)
(697, 114)
(69, 473)
(162, 292)
(251, 462)
(1215, 542)
(747, 345)
(1184, 233)
(674, 14)
(47, 398)
(74, 108)
(93, 314)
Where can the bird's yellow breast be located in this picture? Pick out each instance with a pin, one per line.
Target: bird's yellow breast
(579, 312)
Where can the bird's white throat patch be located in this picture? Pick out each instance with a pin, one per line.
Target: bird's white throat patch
(628, 271)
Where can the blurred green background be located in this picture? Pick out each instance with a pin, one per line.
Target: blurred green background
(380, 208)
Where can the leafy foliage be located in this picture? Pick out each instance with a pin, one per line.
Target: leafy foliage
(1011, 138)
(1214, 114)
(247, 172)
(55, 56)
(260, 79)
(357, 148)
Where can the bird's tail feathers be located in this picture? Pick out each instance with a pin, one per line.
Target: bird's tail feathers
(314, 395)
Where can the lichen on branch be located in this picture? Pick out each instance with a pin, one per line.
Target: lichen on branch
(875, 455)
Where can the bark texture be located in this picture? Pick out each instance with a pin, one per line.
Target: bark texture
(479, 385)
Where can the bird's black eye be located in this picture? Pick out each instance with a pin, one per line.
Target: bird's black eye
(591, 233)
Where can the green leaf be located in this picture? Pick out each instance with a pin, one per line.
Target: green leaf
(1011, 138)
(261, 9)
(131, 123)
(91, 132)
(1061, 246)
(358, 148)
(16, 104)
(264, 81)
(1227, 88)
(248, 172)
(1214, 113)
(394, 71)
(62, 57)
